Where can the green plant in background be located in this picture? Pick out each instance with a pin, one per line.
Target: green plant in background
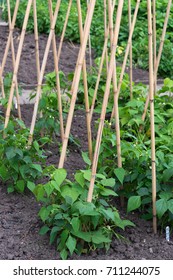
(7, 86)
(48, 122)
(75, 225)
(140, 36)
(20, 165)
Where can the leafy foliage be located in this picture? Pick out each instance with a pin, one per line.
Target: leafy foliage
(135, 176)
(74, 224)
(19, 163)
(140, 36)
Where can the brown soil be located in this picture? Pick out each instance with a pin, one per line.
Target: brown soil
(19, 223)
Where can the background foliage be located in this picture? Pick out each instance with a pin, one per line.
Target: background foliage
(140, 37)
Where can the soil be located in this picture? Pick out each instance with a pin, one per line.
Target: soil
(19, 223)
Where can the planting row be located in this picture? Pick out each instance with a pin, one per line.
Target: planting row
(74, 224)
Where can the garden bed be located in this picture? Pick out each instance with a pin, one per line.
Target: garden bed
(19, 223)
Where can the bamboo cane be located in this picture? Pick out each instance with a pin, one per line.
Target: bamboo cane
(105, 100)
(87, 109)
(8, 44)
(37, 55)
(100, 67)
(38, 94)
(13, 60)
(116, 109)
(105, 31)
(64, 30)
(19, 51)
(1, 83)
(58, 88)
(127, 50)
(131, 52)
(159, 54)
(151, 93)
(36, 40)
(154, 44)
(89, 43)
(76, 79)
(110, 15)
(99, 73)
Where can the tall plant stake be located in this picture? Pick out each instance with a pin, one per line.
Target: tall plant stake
(58, 88)
(38, 94)
(105, 99)
(64, 30)
(89, 43)
(151, 93)
(85, 84)
(104, 53)
(19, 51)
(127, 52)
(2, 83)
(131, 52)
(37, 56)
(76, 79)
(8, 45)
(13, 61)
(158, 56)
(154, 44)
(105, 31)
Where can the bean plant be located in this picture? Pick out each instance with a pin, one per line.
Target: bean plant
(75, 225)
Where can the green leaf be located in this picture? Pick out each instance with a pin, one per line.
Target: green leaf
(80, 179)
(134, 202)
(39, 192)
(161, 207)
(166, 195)
(63, 237)
(86, 236)
(44, 230)
(36, 167)
(120, 173)
(170, 205)
(87, 174)
(75, 222)
(55, 186)
(36, 145)
(86, 158)
(31, 186)
(23, 170)
(85, 208)
(70, 191)
(168, 82)
(4, 174)
(10, 153)
(59, 176)
(10, 189)
(49, 188)
(71, 244)
(108, 213)
(21, 123)
(167, 174)
(44, 213)
(53, 235)
(107, 192)
(98, 238)
(20, 186)
(108, 182)
(64, 254)
(143, 192)
(127, 223)
(101, 176)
